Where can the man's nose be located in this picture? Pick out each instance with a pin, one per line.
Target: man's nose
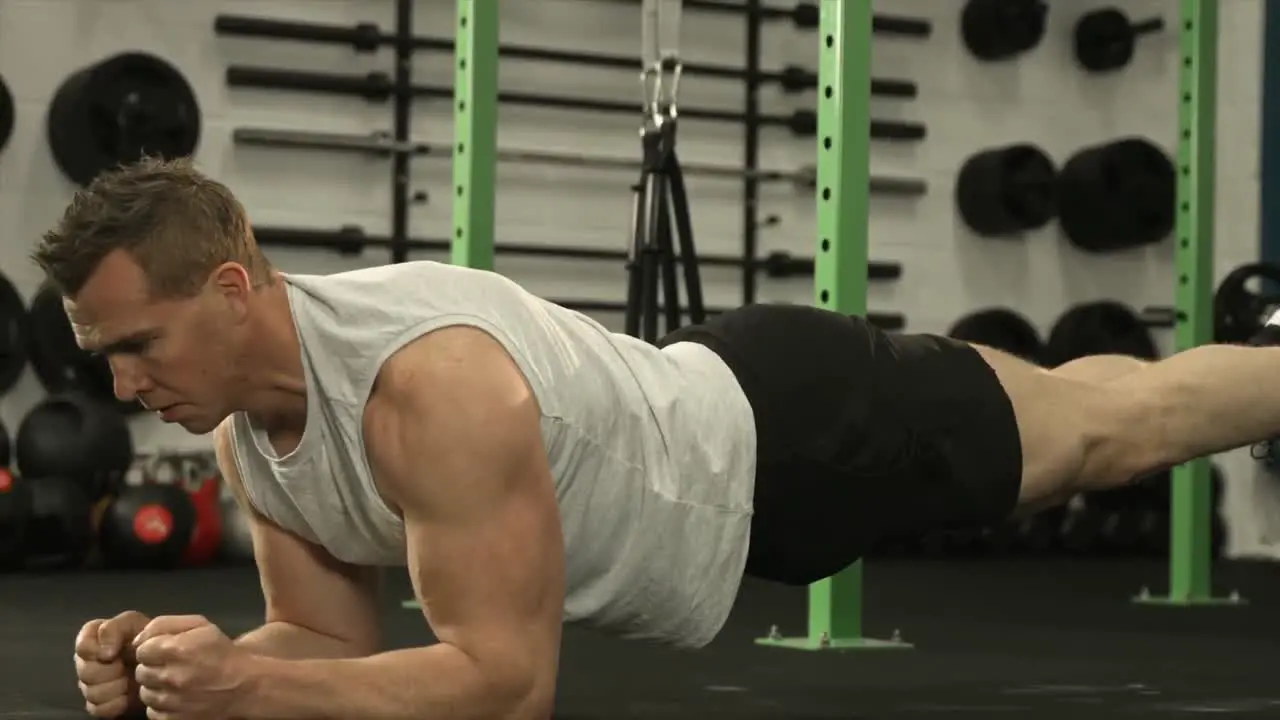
(128, 379)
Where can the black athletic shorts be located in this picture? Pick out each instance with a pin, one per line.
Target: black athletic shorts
(862, 436)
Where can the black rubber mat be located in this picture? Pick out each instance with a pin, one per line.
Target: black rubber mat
(993, 640)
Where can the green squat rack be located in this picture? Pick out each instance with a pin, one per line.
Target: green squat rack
(835, 618)
(1190, 542)
(475, 133)
(840, 268)
(835, 604)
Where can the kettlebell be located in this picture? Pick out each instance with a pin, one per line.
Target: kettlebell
(59, 533)
(147, 527)
(74, 436)
(202, 483)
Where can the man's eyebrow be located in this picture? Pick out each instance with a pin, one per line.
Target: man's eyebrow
(122, 343)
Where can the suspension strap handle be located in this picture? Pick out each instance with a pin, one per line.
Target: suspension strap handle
(661, 66)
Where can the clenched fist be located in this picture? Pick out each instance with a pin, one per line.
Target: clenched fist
(105, 665)
(187, 669)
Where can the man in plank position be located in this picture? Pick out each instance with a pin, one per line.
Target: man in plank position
(446, 420)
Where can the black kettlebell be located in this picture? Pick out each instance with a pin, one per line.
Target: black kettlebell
(75, 436)
(147, 527)
(1105, 39)
(59, 529)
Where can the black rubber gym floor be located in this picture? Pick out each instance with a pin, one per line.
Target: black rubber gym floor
(1053, 639)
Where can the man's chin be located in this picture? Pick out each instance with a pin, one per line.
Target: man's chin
(196, 428)
(182, 416)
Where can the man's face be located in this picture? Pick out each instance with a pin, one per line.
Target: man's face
(174, 355)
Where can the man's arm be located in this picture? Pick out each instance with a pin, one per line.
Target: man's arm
(317, 607)
(454, 437)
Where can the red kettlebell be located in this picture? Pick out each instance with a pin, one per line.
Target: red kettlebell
(202, 482)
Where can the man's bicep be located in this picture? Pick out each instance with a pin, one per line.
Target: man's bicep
(302, 584)
(491, 575)
(454, 432)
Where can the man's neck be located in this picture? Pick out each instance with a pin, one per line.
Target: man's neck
(274, 391)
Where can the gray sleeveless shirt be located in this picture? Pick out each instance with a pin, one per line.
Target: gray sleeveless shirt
(652, 451)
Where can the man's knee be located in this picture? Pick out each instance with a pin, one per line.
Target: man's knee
(1081, 435)
(1120, 439)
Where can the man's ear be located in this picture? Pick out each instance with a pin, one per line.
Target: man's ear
(231, 281)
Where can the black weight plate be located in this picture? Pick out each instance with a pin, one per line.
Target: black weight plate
(1088, 211)
(1116, 196)
(1030, 185)
(67, 130)
(1001, 29)
(1101, 327)
(1007, 190)
(980, 34)
(1003, 329)
(1147, 186)
(977, 195)
(13, 335)
(6, 114)
(52, 343)
(59, 363)
(1238, 311)
(119, 110)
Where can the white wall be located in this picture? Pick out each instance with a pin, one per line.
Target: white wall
(1039, 97)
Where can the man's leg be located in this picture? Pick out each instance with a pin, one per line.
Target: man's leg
(1100, 368)
(864, 435)
(1082, 434)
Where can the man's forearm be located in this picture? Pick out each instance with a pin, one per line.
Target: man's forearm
(294, 642)
(439, 681)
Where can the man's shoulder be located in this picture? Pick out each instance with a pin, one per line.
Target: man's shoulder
(457, 379)
(447, 360)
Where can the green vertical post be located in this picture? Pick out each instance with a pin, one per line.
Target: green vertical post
(475, 132)
(1190, 539)
(840, 273)
(475, 139)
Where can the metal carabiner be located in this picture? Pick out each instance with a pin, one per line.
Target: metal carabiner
(660, 55)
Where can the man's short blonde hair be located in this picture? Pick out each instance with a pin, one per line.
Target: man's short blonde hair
(175, 222)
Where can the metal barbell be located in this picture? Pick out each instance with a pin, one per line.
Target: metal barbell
(379, 143)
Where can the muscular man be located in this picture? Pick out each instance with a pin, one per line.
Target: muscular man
(530, 467)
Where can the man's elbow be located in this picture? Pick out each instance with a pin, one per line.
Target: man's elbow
(527, 688)
(535, 701)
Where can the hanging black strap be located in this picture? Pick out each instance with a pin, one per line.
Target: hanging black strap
(688, 248)
(644, 258)
(660, 215)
